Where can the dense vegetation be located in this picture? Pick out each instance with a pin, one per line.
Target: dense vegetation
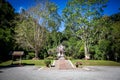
(6, 29)
(90, 34)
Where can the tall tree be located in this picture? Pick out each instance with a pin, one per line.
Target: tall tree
(54, 23)
(80, 16)
(115, 33)
(108, 38)
(100, 40)
(34, 26)
(30, 35)
(6, 28)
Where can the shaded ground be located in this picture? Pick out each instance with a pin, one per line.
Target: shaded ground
(36, 73)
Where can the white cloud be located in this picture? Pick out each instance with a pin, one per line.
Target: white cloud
(20, 9)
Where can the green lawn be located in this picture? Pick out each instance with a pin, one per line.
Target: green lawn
(96, 62)
(84, 62)
(25, 62)
(35, 62)
(6, 63)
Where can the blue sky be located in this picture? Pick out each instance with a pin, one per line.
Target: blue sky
(18, 4)
(112, 6)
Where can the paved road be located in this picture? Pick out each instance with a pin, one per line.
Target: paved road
(36, 73)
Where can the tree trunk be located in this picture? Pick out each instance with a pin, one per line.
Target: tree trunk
(86, 51)
(36, 55)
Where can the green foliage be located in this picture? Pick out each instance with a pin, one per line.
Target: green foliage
(29, 35)
(99, 34)
(74, 48)
(6, 29)
(99, 55)
(116, 37)
(32, 32)
(80, 17)
(104, 45)
(52, 53)
(79, 55)
(96, 62)
(50, 58)
(47, 63)
(101, 49)
(85, 27)
(24, 62)
(30, 55)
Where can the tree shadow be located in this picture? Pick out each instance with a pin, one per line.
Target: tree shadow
(1, 71)
(16, 65)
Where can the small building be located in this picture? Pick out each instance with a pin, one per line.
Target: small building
(17, 54)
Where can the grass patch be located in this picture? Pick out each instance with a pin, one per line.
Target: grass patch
(96, 62)
(6, 63)
(35, 62)
(25, 62)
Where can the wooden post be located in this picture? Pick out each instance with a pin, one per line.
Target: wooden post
(20, 62)
(12, 60)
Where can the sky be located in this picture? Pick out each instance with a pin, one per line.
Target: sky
(112, 6)
(18, 4)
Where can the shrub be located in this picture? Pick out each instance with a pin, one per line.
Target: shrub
(47, 63)
(79, 55)
(30, 55)
(68, 58)
(78, 63)
(50, 58)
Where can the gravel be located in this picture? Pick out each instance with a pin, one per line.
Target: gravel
(37, 73)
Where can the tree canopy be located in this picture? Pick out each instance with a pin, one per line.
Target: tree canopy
(6, 28)
(88, 33)
(32, 30)
(80, 17)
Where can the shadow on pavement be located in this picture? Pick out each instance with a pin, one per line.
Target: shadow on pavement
(16, 65)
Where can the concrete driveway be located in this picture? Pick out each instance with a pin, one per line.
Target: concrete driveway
(36, 73)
